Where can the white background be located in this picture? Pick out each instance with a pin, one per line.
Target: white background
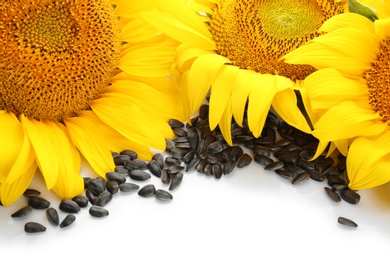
(249, 214)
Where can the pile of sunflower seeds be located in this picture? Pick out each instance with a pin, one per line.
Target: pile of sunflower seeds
(280, 148)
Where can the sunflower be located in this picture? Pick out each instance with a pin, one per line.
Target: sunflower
(348, 97)
(231, 49)
(79, 78)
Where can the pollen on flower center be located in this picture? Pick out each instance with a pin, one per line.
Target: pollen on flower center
(55, 56)
(378, 81)
(256, 34)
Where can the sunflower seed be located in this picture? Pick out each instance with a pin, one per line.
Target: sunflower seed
(347, 222)
(282, 142)
(300, 178)
(288, 158)
(31, 193)
(154, 168)
(121, 169)
(121, 159)
(113, 187)
(147, 191)
(335, 179)
(163, 195)
(203, 111)
(96, 186)
(174, 123)
(263, 160)
(215, 147)
(38, 202)
(176, 180)
(285, 174)
(304, 164)
(34, 227)
(332, 194)
(244, 160)
(274, 166)
(170, 161)
(261, 150)
(169, 145)
(193, 138)
(316, 175)
(139, 175)
(216, 170)
(128, 186)
(103, 199)
(350, 196)
(114, 176)
(81, 200)
(159, 158)
(67, 221)
(165, 177)
(188, 156)
(228, 167)
(307, 154)
(69, 206)
(142, 165)
(91, 197)
(22, 212)
(132, 154)
(191, 163)
(97, 211)
(52, 216)
(174, 169)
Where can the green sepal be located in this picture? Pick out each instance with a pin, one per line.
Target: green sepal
(356, 7)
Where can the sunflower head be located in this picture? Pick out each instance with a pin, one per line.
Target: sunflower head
(254, 35)
(55, 56)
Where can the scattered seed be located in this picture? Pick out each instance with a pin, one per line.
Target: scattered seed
(31, 193)
(347, 222)
(244, 160)
(128, 186)
(147, 191)
(132, 154)
(52, 216)
(154, 168)
(34, 227)
(104, 198)
(22, 212)
(97, 211)
(96, 186)
(38, 202)
(139, 175)
(163, 195)
(113, 187)
(332, 194)
(350, 196)
(81, 200)
(69, 206)
(300, 178)
(176, 180)
(274, 166)
(117, 177)
(68, 220)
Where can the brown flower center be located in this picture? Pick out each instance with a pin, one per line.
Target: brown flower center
(255, 34)
(55, 56)
(378, 81)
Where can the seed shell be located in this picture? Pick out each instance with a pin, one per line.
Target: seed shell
(128, 186)
(350, 196)
(69, 206)
(22, 212)
(34, 227)
(139, 175)
(81, 200)
(244, 160)
(52, 216)
(147, 191)
(332, 194)
(103, 198)
(38, 202)
(115, 176)
(97, 211)
(68, 220)
(347, 222)
(300, 178)
(176, 180)
(31, 193)
(163, 195)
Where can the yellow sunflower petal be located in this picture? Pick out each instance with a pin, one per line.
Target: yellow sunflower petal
(45, 139)
(69, 182)
(382, 28)
(285, 105)
(202, 74)
(347, 20)
(185, 56)
(347, 120)
(240, 93)
(133, 122)
(225, 123)
(11, 191)
(86, 137)
(368, 163)
(11, 138)
(221, 92)
(175, 28)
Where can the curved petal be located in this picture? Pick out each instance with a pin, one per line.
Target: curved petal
(85, 135)
(241, 89)
(221, 91)
(348, 120)
(69, 181)
(202, 74)
(11, 140)
(45, 139)
(225, 123)
(347, 20)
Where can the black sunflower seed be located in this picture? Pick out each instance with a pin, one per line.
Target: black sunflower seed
(159, 158)
(285, 174)
(67, 221)
(52, 216)
(96, 186)
(22, 212)
(163, 195)
(263, 160)
(128, 186)
(114, 176)
(69, 206)
(103, 198)
(300, 178)
(347, 222)
(34, 227)
(274, 166)
(154, 168)
(216, 170)
(147, 191)
(139, 175)
(132, 154)
(228, 167)
(332, 194)
(121, 159)
(176, 180)
(165, 177)
(97, 211)
(350, 196)
(113, 187)
(31, 193)
(174, 169)
(38, 202)
(174, 123)
(244, 160)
